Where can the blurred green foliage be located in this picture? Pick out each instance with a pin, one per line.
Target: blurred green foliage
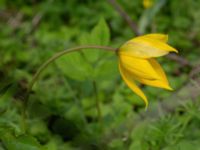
(62, 111)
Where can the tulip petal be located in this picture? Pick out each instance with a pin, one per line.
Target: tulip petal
(160, 82)
(130, 83)
(163, 82)
(155, 83)
(158, 69)
(156, 36)
(141, 68)
(158, 44)
(147, 46)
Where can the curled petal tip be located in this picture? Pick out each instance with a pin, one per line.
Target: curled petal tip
(175, 50)
(169, 88)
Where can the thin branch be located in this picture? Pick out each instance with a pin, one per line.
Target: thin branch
(35, 22)
(124, 15)
(182, 61)
(195, 71)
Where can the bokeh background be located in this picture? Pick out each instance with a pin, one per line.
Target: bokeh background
(62, 109)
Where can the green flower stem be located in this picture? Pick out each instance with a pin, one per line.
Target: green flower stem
(58, 55)
(98, 106)
(47, 63)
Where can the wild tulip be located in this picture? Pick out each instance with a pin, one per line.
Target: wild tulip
(137, 62)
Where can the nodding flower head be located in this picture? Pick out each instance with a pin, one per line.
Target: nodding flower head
(137, 62)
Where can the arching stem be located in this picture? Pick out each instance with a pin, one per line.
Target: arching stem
(45, 65)
(58, 55)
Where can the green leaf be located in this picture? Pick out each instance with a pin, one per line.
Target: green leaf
(106, 69)
(75, 66)
(100, 35)
(5, 83)
(21, 143)
(4, 89)
(185, 145)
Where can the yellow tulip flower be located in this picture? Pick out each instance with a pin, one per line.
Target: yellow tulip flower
(137, 63)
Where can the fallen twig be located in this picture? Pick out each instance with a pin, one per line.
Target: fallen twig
(181, 60)
(124, 15)
(35, 22)
(195, 71)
